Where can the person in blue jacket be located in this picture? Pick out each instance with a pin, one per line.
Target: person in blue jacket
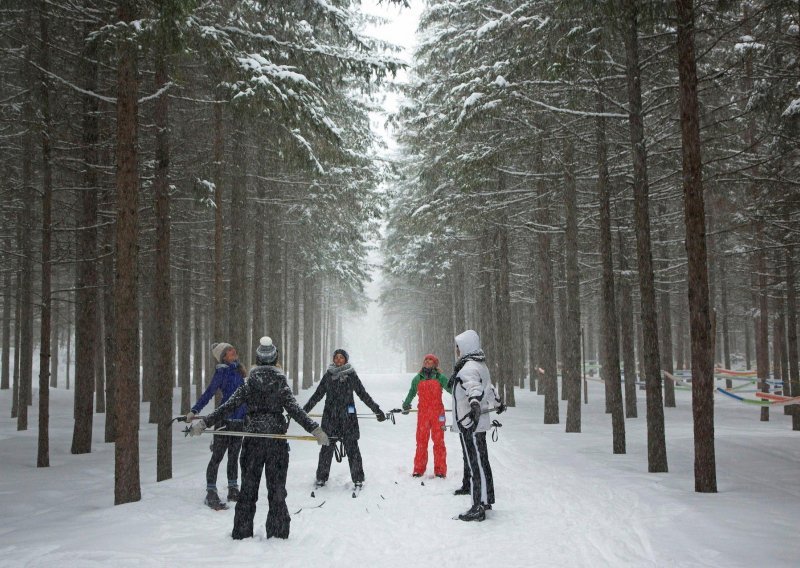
(228, 376)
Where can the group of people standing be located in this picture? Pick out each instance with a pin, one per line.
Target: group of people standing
(254, 403)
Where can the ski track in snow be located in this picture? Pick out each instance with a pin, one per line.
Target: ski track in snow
(562, 499)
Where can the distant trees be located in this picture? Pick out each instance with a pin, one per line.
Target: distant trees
(554, 95)
(178, 140)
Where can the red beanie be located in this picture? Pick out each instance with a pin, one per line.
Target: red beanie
(432, 356)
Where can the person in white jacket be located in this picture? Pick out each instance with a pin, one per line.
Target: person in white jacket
(473, 397)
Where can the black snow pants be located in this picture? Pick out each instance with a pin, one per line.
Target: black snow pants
(353, 458)
(221, 445)
(271, 457)
(477, 468)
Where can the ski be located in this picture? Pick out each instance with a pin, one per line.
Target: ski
(311, 507)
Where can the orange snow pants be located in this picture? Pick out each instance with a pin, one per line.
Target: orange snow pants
(430, 424)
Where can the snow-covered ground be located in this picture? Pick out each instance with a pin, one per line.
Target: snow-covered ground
(562, 500)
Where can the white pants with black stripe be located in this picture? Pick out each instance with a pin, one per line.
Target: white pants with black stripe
(476, 458)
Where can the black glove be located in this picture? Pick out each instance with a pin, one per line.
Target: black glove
(406, 408)
(475, 410)
(380, 416)
(502, 408)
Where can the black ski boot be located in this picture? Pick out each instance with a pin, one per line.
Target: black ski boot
(233, 493)
(212, 500)
(476, 513)
(462, 491)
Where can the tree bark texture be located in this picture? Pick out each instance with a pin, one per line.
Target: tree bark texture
(127, 486)
(699, 302)
(656, 440)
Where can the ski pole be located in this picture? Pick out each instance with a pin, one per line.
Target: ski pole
(187, 430)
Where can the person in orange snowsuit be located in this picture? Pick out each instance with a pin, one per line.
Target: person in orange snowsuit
(429, 384)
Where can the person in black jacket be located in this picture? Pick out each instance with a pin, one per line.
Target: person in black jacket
(339, 417)
(266, 393)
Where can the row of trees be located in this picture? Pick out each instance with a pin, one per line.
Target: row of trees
(624, 169)
(177, 173)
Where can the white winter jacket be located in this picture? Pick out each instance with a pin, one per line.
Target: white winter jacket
(473, 381)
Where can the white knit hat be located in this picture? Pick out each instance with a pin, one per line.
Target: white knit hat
(219, 349)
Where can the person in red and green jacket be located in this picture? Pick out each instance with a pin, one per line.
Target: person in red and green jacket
(429, 384)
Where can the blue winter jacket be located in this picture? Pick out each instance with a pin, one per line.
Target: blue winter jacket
(228, 378)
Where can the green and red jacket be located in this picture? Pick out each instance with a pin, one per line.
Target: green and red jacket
(430, 392)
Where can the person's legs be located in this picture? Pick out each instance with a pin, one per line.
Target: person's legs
(439, 449)
(234, 447)
(476, 479)
(354, 459)
(324, 464)
(421, 456)
(253, 458)
(465, 482)
(218, 448)
(278, 518)
(483, 453)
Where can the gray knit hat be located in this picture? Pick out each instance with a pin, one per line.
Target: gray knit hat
(266, 352)
(218, 350)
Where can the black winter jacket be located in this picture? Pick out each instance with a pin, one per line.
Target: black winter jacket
(339, 415)
(266, 393)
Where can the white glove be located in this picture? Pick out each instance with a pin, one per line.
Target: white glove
(190, 417)
(198, 428)
(321, 436)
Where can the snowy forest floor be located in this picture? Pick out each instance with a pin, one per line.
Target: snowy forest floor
(562, 500)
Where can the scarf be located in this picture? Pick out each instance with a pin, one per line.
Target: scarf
(340, 373)
(474, 356)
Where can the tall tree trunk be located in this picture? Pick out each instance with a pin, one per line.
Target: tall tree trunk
(237, 326)
(627, 329)
(86, 251)
(5, 373)
(260, 274)
(17, 335)
(24, 219)
(99, 359)
(547, 344)
(184, 336)
(107, 267)
(127, 486)
(308, 332)
(504, 350)
(726, 335)
(294, 359)
(197, 349)
(705, 473)
(54, 340)
(610, 348)
(791, 336)
(571, 369)
(162, 286)
(762, 322)
(656, 441)
(43, 454)
(219, 285)
(533, 341)
(561, 296)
